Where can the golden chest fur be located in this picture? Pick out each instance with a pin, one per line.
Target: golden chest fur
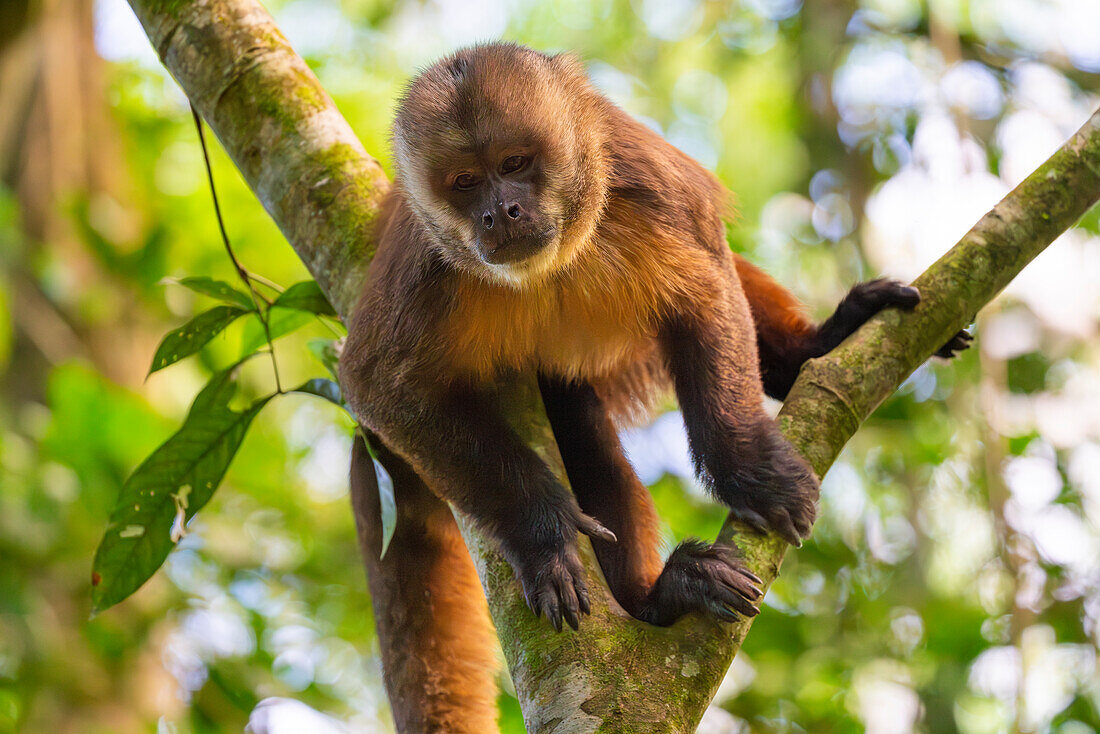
(588, 321)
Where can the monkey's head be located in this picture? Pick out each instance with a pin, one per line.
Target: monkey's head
(499, 149)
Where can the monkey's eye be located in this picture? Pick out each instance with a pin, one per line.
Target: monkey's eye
(465, 181)
(514, 163)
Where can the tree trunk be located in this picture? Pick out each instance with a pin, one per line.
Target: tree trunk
(616, 674)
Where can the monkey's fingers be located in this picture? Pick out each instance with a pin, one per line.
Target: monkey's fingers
(582, 595)
(956, 344)
(570, 605)
(739, 586)
(727, 600)
(555, 587)
(804, 520)
(734, 574)
(750, 517)
(749, 575)
(875, 295)
(591, 527)
(783, 524)
(550, 606)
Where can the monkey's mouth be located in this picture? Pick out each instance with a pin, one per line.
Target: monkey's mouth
(516, 249)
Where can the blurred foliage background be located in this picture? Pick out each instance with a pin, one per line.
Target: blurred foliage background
(952, 584)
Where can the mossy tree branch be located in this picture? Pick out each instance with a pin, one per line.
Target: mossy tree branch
(322, 189)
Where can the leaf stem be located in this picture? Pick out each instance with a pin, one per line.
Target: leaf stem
(265, 282)
(245, 276)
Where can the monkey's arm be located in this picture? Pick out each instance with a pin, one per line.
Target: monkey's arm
(456, 440)
(697, 577)
(738, 450)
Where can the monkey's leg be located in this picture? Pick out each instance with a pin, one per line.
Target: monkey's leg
(737, 448)
(786, 338)
(436, 640)
(697, 577)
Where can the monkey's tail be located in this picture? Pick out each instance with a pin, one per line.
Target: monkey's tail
(437, 642)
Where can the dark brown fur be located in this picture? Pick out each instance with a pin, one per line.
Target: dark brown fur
(625, 287)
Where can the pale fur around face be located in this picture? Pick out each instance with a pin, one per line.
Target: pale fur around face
(450, 108)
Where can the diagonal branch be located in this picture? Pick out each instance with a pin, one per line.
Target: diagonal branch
(322, 189)
(836, 393)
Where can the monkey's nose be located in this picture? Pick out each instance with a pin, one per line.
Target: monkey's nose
(487, 220)
(510, 209)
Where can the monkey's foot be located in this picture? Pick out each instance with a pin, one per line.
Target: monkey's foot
(956, 344)
(861, 303)
(555, 586)
(867, 299)
(770, 487)
(702, 578)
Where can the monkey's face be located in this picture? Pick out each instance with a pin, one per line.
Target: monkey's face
(500, 192)
(494, 158)
(489, 204)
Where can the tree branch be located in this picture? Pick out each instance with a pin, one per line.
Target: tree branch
(283, 131)
(321, 187)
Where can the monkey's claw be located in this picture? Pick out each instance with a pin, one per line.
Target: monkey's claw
(591, 527)
(702, 578)
(556, 588)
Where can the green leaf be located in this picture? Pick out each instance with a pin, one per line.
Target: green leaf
(388, 506)
(281, 321)
(193, 336)
(323, 388)
(169, 487)
(305, 296)
(387, 499)
(325, 351)
(218, 289)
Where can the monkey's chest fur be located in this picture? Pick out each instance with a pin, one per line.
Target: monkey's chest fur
(598, 320)
(574, 334)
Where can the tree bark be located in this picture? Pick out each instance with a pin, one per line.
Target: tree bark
(321, 187)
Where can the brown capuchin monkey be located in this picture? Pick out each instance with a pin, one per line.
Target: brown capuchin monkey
(535, 226)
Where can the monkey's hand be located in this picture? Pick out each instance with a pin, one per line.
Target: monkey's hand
(702, 578)
(769, 486)
(549, 568)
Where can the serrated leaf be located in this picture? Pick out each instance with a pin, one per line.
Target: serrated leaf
(325, 351)
(323, 388)
(305, 296)
(218, 289)
(193, 336)
(281, 321)
(169, 487)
